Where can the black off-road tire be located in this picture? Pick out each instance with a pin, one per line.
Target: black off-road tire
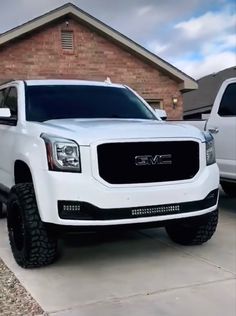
(31, 243)
(193, 231)
(2, 213)
(229, 188)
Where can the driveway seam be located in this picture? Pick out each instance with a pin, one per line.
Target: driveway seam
(200, 258)
(122, 298)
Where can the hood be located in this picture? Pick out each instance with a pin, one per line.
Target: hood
(88, 131)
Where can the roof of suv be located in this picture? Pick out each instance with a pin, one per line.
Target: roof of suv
(54, 82)
(71, 82)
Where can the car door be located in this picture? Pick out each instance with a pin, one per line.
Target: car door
(223, 122)
(8, 98)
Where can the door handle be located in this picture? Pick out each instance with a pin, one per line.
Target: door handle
(213, 130)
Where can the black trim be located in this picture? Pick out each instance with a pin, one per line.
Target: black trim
(228, 180)
(11, 121)
(63, 229)
(76, 210)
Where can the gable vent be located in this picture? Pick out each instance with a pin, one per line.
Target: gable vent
(67, 41)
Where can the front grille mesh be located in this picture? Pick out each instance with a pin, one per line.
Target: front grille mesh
(117, 164)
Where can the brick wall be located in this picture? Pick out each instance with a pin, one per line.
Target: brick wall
(39, 55)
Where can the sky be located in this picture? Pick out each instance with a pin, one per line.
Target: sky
(196, 36)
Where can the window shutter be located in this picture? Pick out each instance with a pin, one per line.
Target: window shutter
(67, 40)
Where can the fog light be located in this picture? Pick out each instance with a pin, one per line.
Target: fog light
(73, 210)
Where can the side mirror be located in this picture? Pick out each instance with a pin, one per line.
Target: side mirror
(6, 118)
(161, 113)
(5, 113)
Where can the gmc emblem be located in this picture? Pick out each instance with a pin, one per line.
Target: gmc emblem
(149, 160)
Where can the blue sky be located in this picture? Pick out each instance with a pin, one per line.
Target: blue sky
(196, 36)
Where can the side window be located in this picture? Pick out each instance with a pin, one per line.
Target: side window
(3, 94)
(11, 101)
(1, 98)
(228, 102)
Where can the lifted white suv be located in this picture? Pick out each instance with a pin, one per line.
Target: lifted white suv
(90, 155)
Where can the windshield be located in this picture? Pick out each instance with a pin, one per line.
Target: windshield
(50, 102)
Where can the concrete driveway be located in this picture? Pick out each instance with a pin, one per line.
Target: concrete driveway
(137, 273)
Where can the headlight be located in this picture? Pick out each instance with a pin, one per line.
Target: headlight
(62, 154)
(210, 149)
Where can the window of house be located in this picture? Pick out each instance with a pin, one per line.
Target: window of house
(227, 105)
(67, 40)
(156, 104)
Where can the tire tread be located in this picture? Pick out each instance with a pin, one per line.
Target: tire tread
(41, 246)
(200, 232)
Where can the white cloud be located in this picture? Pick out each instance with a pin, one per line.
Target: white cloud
(144, 10)
(203, 45)
(230, 40)
(157, 48)
(210, 64)
(207, 24)
(220, 44)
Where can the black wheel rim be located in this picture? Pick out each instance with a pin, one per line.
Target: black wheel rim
(16, 227)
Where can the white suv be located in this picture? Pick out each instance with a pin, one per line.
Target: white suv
(90, 155)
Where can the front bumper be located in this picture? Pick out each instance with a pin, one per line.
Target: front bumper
(51, 187)
(77, 210)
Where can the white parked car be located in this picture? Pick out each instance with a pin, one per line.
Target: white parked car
(221, 122)
(89, 155)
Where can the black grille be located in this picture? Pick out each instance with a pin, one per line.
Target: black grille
(117, 164)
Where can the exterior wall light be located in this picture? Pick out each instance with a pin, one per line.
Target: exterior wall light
(174, 102)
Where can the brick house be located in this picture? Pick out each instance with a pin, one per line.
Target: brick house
(69, 43)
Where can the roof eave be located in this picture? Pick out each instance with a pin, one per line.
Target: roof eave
(188, 85)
